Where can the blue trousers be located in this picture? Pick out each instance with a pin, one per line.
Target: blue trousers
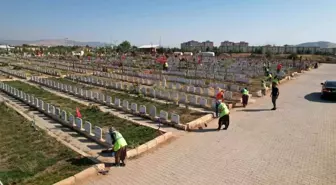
(217, 105)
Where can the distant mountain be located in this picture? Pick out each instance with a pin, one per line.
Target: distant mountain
(321, 44)
(52, 42)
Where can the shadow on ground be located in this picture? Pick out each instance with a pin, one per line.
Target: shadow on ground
(316, 97)
(202, 130)
(254, 110)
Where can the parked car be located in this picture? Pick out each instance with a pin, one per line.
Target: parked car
(328, 89)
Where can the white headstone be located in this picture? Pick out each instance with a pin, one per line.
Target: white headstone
(88, 127)
(134, 107)
(98, 133)
(152, 111)
(163, 115)
(142, 109)
(175, 118)
(79, 123)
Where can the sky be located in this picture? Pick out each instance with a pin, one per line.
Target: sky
(141, 22)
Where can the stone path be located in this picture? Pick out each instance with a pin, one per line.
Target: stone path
(295, 144)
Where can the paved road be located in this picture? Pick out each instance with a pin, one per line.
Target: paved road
(294, 145)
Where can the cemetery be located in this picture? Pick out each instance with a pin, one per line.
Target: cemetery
(30, 156)
(94, 122)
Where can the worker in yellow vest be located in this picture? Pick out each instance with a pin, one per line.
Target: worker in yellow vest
(165, 66)
(245, 96)
(119, 147)
(269, 77)
(263, 87)
(275, 80)
(224, 118)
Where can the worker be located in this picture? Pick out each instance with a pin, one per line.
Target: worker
(219, 100)
(263, 87)
(275, 80)
(224, 118)
(269, 77)
(274, 95)
(119, 147)
(245, 96)
(267, 72)
(165, 66)
(279, 67)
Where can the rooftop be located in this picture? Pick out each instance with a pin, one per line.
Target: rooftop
(149, 46)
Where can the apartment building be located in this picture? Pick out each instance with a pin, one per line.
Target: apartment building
(229, 43)
(243, 47)
(197, 46)
(276, 49)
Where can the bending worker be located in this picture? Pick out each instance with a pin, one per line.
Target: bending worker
(119, 147)
(245, 96)
(224, 118)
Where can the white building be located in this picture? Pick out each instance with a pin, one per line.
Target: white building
(6, 47)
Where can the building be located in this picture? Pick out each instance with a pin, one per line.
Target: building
(197, 46)
(243, 47)
(229, 48)
(149, 48)
(232, 47)
(228, 43)
(6, 47)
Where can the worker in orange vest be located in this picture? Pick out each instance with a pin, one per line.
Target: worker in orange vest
(219, 100)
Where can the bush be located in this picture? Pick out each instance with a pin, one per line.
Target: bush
(293, 56)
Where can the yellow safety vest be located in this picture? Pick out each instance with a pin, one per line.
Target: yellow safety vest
(166, 64)
(224, 110)
(245, 92)
(275, 81)
(120, 141)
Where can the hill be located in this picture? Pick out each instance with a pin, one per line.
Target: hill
(321, 44)
(52, 42)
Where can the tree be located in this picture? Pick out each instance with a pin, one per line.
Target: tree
(207, 49)
(293, 56)
(268, 54)
(125, 46)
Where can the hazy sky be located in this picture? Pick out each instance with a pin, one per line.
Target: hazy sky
(144, 21)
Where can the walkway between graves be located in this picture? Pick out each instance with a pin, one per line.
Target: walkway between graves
(292, 145)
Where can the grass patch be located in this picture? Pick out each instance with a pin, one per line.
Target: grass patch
(186, 115)
(32, 157)
(134, 134)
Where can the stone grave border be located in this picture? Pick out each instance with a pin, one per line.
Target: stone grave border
(68, 120)
(38, 69)
(67, 68)
(14, 73)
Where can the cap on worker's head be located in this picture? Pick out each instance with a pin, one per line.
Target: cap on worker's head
(112, 129)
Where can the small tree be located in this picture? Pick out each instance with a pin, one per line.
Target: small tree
(268, 54)
(125, 46)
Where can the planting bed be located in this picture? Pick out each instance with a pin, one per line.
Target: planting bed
(3, 76)
(186, 115)
(134, 134)
(31, 157)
